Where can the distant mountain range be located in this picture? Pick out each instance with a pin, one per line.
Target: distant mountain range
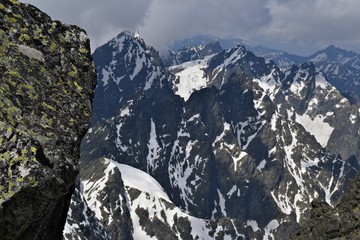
(222, 145)
(342, 67)
(205, 40)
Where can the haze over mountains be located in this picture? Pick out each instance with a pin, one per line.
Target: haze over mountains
(223, 144)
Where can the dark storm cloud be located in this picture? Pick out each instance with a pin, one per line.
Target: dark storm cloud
(301, 25)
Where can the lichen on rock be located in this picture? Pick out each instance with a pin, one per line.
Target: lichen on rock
(47, 79)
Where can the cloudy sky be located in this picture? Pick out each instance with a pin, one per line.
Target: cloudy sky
(297, 26)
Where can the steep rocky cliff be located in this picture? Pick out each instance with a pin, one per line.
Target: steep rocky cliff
(46, 85)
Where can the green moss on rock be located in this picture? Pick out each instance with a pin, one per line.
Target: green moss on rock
(43, 98)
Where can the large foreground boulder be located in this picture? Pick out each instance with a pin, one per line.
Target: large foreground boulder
(47, 79)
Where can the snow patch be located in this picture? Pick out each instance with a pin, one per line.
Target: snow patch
(320, 81)
(317, 127)
(139, 64)
(125, 112)
(191, 77)
(282, 202)
(91, 190)
(131, 176)
(261, 165)
(253, 224)
(297, 86)
(232, 191)
(222, 203)
(268, 84)
(270, 229)
(106, 77)
(353, 118)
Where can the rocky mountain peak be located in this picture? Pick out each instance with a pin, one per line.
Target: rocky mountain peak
(126, 66)
(341, 67)
(332, 54)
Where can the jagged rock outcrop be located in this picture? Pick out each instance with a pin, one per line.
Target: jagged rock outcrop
(47, 79)
(82, 222)
(340, 222)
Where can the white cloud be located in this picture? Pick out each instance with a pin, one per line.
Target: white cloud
(325, 20)
(294, 25)
(169, 20)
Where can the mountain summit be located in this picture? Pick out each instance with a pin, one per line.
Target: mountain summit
(342, 68)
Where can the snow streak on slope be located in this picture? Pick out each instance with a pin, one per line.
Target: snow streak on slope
(131, 66)
(81, 221)
(321, 82)
(303, 163)
(154, 148)
(317, 127)
(120, 142)
(269, 84)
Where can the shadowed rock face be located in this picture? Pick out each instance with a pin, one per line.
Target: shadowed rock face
(340, 222)
(47, 79)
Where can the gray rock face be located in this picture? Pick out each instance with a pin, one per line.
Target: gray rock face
(46, 87)
(340, 222)
(228, 146)
(89, 227)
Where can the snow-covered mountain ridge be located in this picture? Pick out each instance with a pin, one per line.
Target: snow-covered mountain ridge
(342, 67)
(231, 145)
